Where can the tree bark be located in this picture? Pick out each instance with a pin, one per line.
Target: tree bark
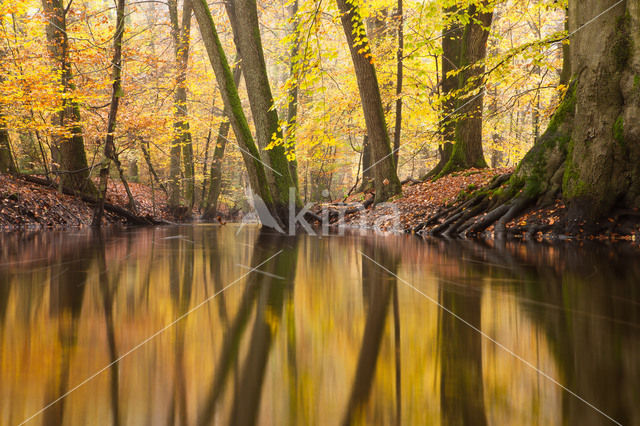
(215, 180)
(7, 162)
(603, 158)
(464, 48)
(231, 99)
(109, 145)
(295, 65)
(246, 32)
(386, 179)
(397, 130)
(68, 148)
(182, 147)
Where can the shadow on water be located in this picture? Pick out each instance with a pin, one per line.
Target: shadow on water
(352, 344)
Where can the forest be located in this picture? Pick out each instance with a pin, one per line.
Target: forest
(198, 109)
(387, 212)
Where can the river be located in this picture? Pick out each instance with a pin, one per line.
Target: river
(233, 325)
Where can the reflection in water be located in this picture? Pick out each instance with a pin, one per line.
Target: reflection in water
(350, 345)
(377, 288)
(461, 386)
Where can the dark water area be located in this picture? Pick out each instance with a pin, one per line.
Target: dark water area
(231, 325)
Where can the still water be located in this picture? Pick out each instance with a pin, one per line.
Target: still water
(230, 325)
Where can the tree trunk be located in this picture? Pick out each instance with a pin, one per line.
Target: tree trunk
(590, 153)
(246, 32)
(109, 145)
(237, 119)
(386, 179)
(295, 66)
(144, 146)
(215, 183)
(464, 48)
(367, 170)
(68, 149)
(182, 147)
(397, 130)
(7, 162)
(603, 159)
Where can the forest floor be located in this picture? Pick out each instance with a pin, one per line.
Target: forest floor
(421, 201)
(28, 205)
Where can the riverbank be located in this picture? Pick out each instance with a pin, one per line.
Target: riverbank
(29, 205)
(420, 210)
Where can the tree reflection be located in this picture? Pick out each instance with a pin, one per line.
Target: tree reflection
(460, 352)
(180, 286)
(108, 288)
(266, 288)
(67, 288)
(378, 287)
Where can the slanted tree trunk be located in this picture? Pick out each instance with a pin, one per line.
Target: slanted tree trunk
(182, 146)
(386, 179)
(243, 15)
(68, 148)
(464, 48)
(215, 179)
(231, 99)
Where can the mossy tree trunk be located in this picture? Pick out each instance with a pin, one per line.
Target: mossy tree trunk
(464, 49)
(589, 156)
(590, 153)
(231, 99)
(243, 15)
(386, 180)
(182, 147)
(68, 147)
(215, 178)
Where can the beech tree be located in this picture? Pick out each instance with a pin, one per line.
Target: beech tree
(7, 163)
(68, 145)
(243, 15)
(386, 180)
(464, 47)
(182, 147)
(229, 92)
(589, 156)
(215, 176)
(110, 152)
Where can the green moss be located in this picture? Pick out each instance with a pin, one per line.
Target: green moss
(636, 81)
(622, 45)
(572, 185)
(618, 130)
(566, 107)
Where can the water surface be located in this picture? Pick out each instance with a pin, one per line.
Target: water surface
(176, 325)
